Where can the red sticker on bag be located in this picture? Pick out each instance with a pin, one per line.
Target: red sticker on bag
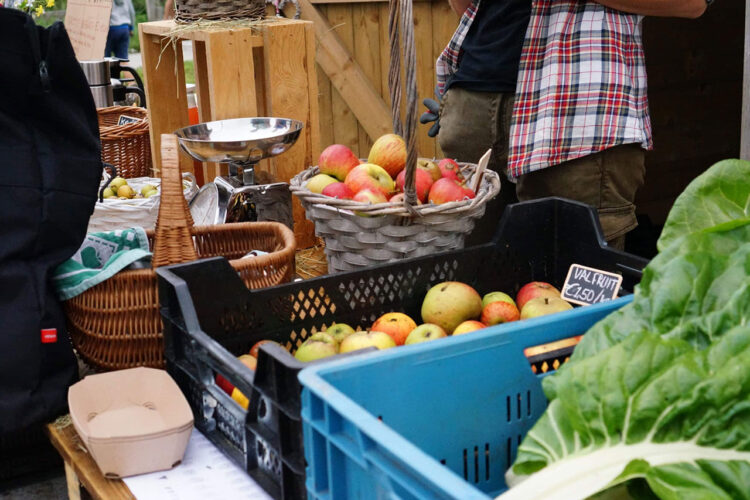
(49, 335)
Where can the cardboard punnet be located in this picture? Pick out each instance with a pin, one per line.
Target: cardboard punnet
(131, 421)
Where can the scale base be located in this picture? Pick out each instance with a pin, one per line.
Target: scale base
(260, 202)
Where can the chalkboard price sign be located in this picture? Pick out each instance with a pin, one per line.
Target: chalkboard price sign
(586, 285)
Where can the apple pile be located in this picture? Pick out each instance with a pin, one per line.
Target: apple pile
(251, 361)
(449, 308)
(120, 189)
(381, 179)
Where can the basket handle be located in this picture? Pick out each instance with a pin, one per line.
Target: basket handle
(173, 241)
(401, 23)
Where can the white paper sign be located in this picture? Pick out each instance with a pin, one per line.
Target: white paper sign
(205, 473)
(87, 24)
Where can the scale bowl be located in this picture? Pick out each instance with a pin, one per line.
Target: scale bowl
(241, 140)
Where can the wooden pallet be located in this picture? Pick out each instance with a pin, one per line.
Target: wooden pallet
(266, 70)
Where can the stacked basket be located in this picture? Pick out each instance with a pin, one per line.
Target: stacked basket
(116, 324)
(212, 10)
(359, 235)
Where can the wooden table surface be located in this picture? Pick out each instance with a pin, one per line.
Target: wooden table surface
(80, 468)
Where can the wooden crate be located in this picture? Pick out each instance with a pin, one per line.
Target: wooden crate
(268, 70)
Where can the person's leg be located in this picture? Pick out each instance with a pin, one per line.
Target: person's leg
(121, 43)
(108, 44)
(470, 124)
(607, 180)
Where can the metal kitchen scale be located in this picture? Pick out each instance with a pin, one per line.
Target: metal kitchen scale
(244, 194)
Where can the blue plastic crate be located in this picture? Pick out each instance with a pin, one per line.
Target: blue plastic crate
(431, 421)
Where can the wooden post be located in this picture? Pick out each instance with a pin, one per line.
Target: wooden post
(745, 122)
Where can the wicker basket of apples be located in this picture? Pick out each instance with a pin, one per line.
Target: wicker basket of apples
(362, 212)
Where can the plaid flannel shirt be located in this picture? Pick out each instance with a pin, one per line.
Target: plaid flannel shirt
(581, 83)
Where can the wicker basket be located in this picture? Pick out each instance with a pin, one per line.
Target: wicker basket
(116, 324)
(127, 147)
(194, 10)
(359, 235)
(111, 214)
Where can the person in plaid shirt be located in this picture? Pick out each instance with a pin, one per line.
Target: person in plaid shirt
(557, 88)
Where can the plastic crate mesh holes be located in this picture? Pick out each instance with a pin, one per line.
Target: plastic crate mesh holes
(216, 417)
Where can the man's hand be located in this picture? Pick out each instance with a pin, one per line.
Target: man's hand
(459, 6)
(659, 8)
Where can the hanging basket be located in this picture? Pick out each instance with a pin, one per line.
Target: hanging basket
(116, 324)
(359, 235)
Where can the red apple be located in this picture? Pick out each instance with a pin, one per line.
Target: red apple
(370, 196)
(449, 169)
(389, 151)
(430, 167)
(400, 197)
(497, 296)
(541, 306)
(422, 182)
(499, 312)
(533, 290)
(338, 190)
(397, 325)
(446, 190)
(451, 303)
(337, 161)
(425, 332)
(369, 176)
(468, 326)
(470, 194)
(256, 346)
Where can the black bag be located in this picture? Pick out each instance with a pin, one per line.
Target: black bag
(50, 168)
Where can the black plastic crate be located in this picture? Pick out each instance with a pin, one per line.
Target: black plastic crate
(210, 318)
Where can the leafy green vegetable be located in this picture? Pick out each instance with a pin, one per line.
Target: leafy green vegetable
(661, 402)
(720, 194)
(656, 398)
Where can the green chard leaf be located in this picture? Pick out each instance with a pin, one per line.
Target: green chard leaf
(659, 401)
(720, 194)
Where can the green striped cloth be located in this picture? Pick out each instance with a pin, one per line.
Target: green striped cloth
(100, 257)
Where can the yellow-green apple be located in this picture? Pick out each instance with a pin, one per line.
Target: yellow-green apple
(339, 331)
(425, 332)
(422, 183)
(450, 170)
(533, 290)
(397, 325)
(497, 296)
(240, 398)
(541, 306)
(318, 346)
(468, 326)
(337, 161)
(370, 176)
(450, 303)
(249, 361)
(400, 197)
(431, 167)
(317, 183)
(499, 312)
(446, 190)
(389, 151)
(338, 190)
(256, 346)
(363, 340)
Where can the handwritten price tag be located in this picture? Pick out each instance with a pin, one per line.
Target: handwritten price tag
(586, 285)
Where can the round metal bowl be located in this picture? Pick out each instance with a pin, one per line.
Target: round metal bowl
(241, 140)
